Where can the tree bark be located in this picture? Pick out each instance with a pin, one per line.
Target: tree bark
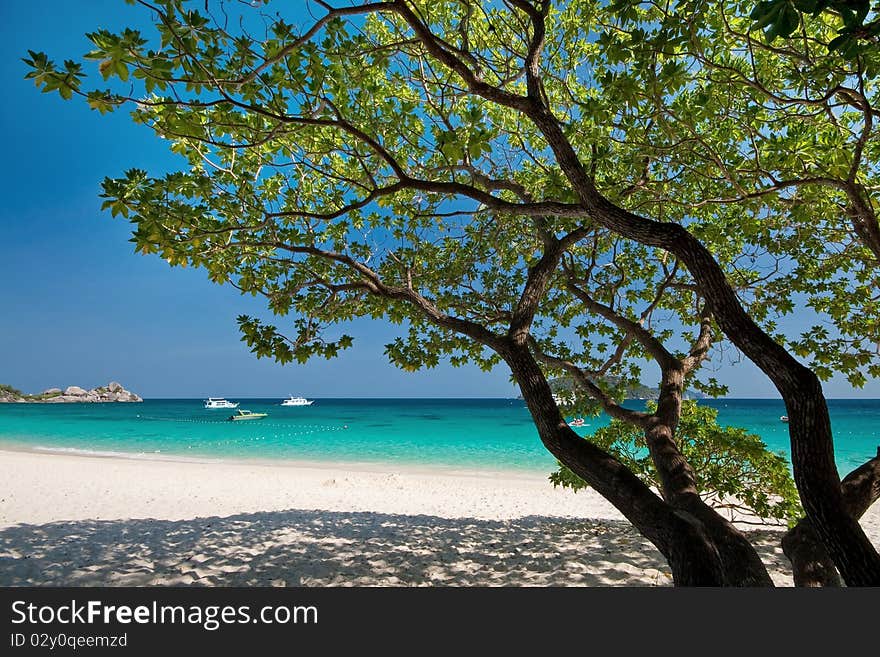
(739, 561)
(810, 562)
(864, 219)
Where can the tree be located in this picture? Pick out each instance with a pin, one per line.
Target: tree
(788, 131)
(512, 182)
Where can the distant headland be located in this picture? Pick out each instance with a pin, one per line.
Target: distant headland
(564, 387)
(112, 392)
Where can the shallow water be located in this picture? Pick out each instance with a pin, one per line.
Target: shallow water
(468, 433)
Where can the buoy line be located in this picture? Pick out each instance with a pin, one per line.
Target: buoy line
(312, 427)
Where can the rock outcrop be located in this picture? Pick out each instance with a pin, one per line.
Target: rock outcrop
(112, 392)
(8, 394)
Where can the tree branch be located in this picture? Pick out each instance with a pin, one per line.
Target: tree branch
(651, 344)
(610, 406)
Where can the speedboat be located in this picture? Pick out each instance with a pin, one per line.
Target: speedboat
(577, 422)
(219, 402)
(297, 401)
(247, 415)
(784, 418)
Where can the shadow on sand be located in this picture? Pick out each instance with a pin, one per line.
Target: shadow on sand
(321, 548)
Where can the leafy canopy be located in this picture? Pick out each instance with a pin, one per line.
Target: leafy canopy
(343, 169)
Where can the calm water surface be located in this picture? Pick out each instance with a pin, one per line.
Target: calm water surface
(467, 433)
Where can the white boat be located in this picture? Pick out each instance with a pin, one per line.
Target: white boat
(784, 418)
(297, 401)
(219, 402)
(242, 414)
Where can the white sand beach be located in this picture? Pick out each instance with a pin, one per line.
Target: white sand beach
(87, 520)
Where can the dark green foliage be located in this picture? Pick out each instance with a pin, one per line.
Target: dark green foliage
(858, 31)
(733, 468)
(7, 389)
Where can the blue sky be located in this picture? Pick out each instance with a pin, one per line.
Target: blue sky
(79, 307)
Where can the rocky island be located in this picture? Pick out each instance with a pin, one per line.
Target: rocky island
(564, 388)
(112, 392)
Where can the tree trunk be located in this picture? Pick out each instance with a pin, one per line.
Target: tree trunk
(739, 561)
(690, 549)
(811, 565)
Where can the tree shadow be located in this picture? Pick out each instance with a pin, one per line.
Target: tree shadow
(324, 548)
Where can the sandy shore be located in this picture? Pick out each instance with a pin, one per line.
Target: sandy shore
(85, 520)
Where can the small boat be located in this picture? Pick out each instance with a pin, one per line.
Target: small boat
(219, 402)
(577, 422)
(246, 415)
(784, 418)
(297, 401)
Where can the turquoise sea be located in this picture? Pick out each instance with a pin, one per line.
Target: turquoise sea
(459, 433)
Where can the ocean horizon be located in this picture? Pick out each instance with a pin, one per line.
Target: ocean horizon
(470, 433)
